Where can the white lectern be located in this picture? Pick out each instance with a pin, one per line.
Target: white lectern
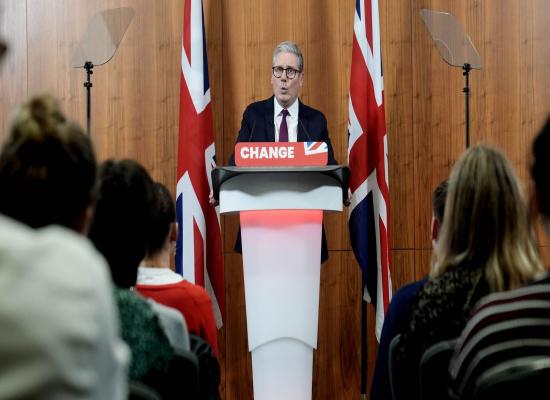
(281, 213)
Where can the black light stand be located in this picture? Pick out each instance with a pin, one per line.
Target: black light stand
(467, 67)
(88, 66)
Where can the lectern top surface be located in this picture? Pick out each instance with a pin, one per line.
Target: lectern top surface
(338, 172)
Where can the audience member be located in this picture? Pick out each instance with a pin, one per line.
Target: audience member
(512, 325)
(157, 281)
(119, 230)
(47, 168)
(486, 245)
(59, 334)
(398, 314)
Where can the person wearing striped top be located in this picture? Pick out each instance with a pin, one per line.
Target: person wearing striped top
(504, 326)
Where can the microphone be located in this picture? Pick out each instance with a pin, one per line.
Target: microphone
(252, 131)
(305, 130)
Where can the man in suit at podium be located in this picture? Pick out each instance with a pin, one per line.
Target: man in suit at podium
(283, 117)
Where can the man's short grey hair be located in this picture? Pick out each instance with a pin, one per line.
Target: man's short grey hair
(289, 47)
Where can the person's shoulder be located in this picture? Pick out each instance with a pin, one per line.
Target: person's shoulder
(173, 324)
(260, 106)
(131, 305)
(197, 291)
(63, 258)
(410, 288)
(71, 248)
(306, 110)
(407, 292)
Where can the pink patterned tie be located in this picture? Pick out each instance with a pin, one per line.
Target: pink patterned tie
(283, 130)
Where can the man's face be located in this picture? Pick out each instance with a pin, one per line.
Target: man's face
(286, 90)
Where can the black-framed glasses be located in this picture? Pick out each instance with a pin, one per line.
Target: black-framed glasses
(290, 72)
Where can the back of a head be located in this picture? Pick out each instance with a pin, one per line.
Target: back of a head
(122, 218)
(47, 167)
(164, 217)
(540, 170)
(486, 222)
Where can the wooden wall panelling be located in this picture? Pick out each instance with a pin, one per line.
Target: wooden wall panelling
(372, 346)
(403, 267)
(327, 70)
(236, 73)
(238, 364)
(540, 65)
(395, 25)
(213, 20)
(13, 68)
(527, 123)
(501, 54)
(337, 360)
(422, 262)
(345, 45)
(438, 117)
(541, 62)
(54, 29)
(135, 97)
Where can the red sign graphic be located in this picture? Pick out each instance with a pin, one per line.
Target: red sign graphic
(281, 154)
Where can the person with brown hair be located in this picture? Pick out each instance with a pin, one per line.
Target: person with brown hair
(123, 218)
(47, 168)
(486, 244)
(58, 307)
(157, 281)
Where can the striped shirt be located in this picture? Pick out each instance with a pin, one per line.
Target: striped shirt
(505, 326)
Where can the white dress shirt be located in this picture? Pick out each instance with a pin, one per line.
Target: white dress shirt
(291, 120)
(59, 333)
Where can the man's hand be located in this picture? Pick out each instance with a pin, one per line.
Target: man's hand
(211, 200)
(347, 202)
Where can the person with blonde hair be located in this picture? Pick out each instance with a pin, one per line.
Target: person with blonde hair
(486, 245)
(511, 329)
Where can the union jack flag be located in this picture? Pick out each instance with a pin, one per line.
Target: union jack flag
(368, 161)
(199, 252)
(315, 148)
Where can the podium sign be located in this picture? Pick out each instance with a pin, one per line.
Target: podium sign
(280, 154)
(281, 193)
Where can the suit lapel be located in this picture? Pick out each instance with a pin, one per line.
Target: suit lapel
(269, 120)
(302, 122)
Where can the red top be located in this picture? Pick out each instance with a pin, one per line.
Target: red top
(192, 301)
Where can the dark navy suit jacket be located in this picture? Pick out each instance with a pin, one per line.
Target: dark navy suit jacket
(395, 322)
(258, 126)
